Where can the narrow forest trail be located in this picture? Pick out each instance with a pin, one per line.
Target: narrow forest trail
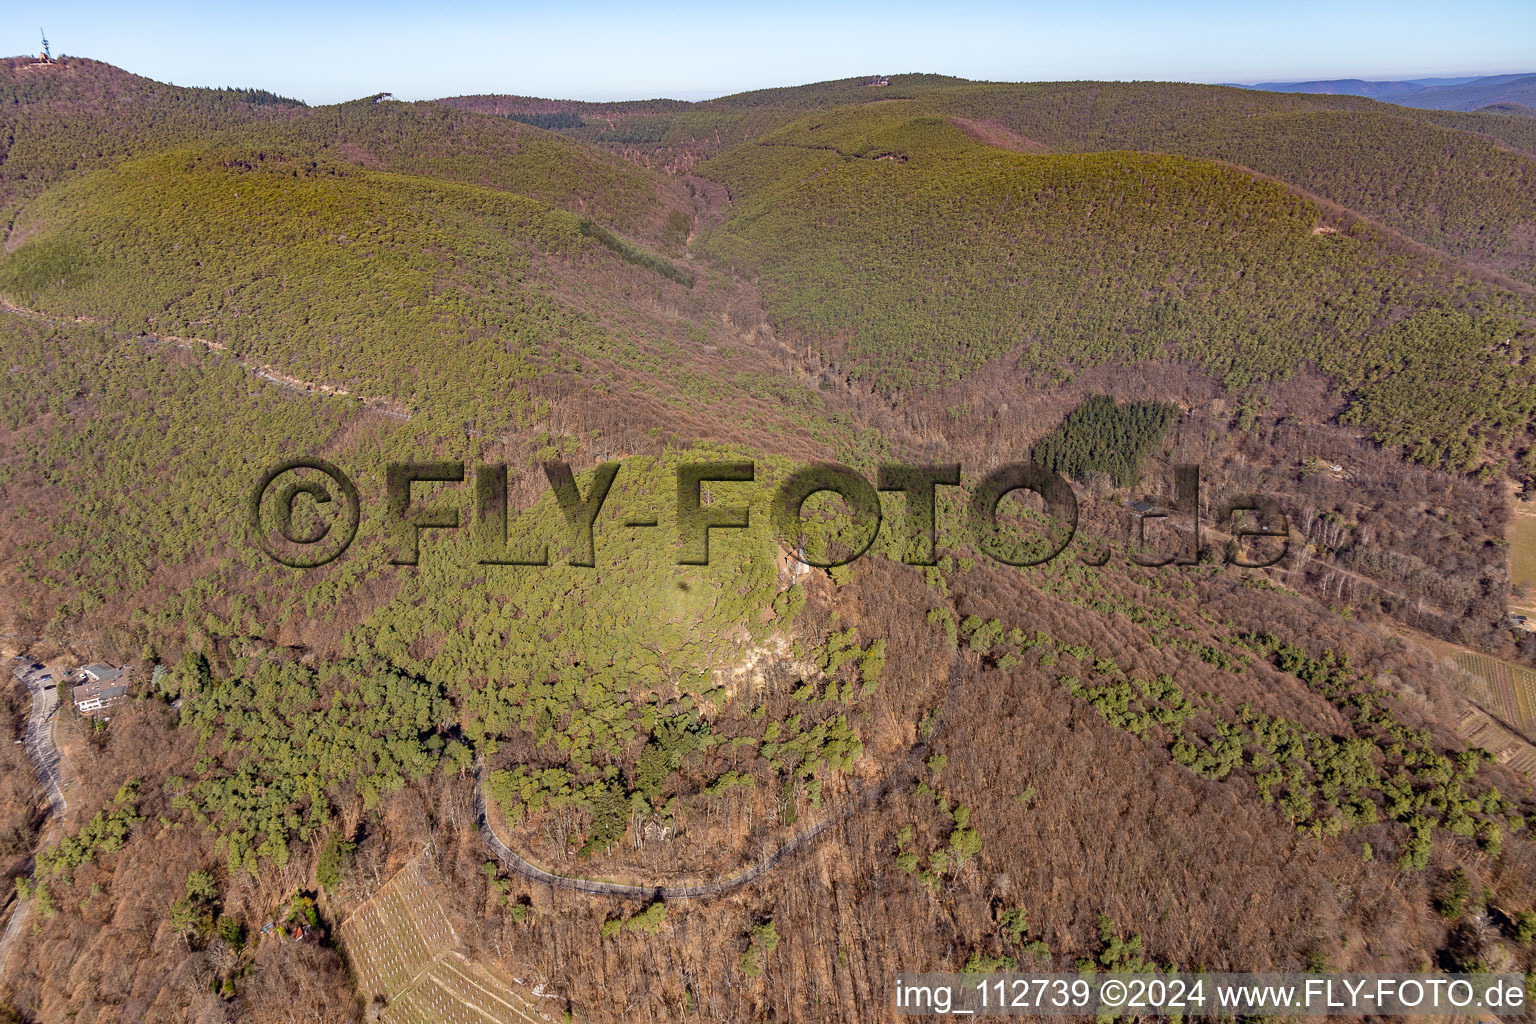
(796, 843)
(718, 887)
(382, 406)
(865, 798)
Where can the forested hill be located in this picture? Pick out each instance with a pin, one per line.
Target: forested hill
(917, 253)
(62, 120)
(1323, 299)
(1428, 93)
(911, 240)
(75, 114)
(796, 98)
(1088, 113)
(1459, 182)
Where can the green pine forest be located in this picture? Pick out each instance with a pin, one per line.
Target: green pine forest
(197, 283)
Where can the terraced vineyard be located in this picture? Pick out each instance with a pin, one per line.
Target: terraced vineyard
(456, 991)
(397, 934)
(1510, 690)
(1481, 731)
(400, 943)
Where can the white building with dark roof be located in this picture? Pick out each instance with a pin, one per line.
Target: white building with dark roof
(103, 687)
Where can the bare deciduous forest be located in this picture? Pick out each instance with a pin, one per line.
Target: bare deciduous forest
(967, 765)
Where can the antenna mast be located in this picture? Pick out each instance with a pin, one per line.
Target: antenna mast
(47, 54)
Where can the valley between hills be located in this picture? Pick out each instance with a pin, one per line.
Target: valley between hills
(753, 790)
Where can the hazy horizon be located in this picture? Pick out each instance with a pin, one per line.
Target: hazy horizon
(642, 95)
(610, 51)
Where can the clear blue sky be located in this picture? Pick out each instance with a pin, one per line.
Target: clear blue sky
(323, 52)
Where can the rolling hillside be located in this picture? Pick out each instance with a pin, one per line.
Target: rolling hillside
(78, 115)
(1324, 299)
(61, 119)
(1416, 171)
(1469, 192)
(935, 253)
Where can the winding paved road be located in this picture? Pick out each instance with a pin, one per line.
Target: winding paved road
(42, 751)
(800, 841)
(46, 762)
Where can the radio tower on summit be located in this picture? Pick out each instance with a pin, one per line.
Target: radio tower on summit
(47, 54)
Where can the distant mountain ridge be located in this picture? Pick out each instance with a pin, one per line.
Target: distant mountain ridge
(1426, 93)
(1324, 299)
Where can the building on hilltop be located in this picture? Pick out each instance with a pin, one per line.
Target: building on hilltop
(102, 687)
